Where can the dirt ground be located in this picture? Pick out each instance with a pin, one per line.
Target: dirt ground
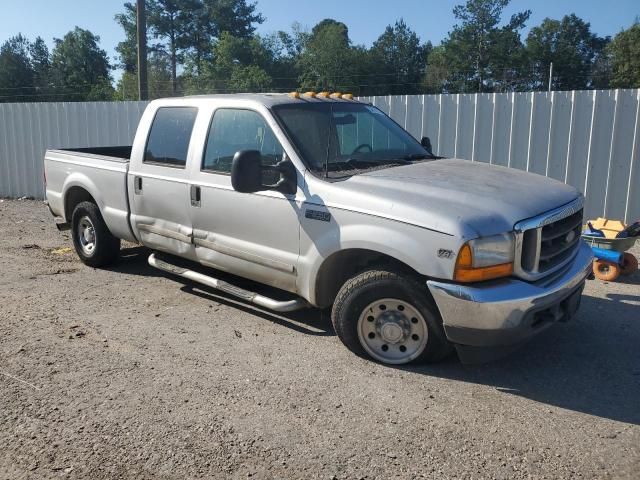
(128, 373)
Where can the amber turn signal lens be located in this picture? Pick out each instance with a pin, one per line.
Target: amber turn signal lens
(483, 273)
(465, 272)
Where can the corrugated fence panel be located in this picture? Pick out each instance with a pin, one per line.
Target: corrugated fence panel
(559, 132)
(589, 139)
(621, 151)
(483, 126)
(28, 129)
(633, 190)
(599, 152)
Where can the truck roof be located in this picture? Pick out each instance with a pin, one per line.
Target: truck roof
(268, 99)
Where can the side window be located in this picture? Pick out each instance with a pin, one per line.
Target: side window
(232, 130)
(168, 141)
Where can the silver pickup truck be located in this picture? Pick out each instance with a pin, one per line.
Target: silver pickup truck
(330, 200)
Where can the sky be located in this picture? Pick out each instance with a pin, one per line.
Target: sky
(366, 19)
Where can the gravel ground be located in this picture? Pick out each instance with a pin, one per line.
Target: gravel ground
(127, 373)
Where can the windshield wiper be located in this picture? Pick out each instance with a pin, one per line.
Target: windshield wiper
(357, 164)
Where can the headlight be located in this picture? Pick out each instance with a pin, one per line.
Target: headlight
(485, 258)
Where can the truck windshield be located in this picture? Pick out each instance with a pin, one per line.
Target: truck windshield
(340, 139)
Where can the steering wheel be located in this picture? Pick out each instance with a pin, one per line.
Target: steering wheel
(360, 147)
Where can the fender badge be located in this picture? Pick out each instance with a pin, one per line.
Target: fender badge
(443, 253)
(317, 215)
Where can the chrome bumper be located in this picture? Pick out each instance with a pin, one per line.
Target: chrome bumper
(506, 312)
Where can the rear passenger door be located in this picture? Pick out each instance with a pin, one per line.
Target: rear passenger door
(254, 235)
(160, 183)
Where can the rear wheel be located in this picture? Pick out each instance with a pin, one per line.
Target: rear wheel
(389, 318)
(94, 243)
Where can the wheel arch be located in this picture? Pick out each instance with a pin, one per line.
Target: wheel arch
(338, 267)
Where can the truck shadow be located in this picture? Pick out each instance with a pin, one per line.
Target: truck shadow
(590, 365)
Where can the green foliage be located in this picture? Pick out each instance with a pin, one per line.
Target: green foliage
(625, 58)
(127, 49)
(480, 54)
(16, 73)
(207, 46)
(80, 68)
(573, 49)
(327, 61)
(400, 60)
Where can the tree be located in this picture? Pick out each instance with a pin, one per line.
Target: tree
(571, 46)
(625, 58)
(478, 54)
(170, 20)
(327, 59)
(238, 64)
(80, 68)
(400, 59)
(128, 49)
(159, 79)
(41, 65)
(16, 73)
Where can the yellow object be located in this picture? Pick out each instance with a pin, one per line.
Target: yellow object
(347, 96)
(310, 94)
(61, 251)
(323, 94)
(336, 95)
(465, 272)
(294, 94)
(610, 228)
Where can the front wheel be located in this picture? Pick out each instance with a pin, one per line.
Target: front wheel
(94, 243)
(390, 318)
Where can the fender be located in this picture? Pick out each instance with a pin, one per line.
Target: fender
(116, 218)
(413, 246)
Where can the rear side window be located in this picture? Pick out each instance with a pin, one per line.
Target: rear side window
(168, 141)
(233, 130)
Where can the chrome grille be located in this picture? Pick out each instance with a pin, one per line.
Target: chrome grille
(547, 242)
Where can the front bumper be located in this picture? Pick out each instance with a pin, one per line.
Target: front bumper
(509, 311)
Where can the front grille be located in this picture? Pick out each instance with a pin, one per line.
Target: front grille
(547, 242)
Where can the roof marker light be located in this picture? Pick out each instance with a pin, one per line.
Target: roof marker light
(347, 96)
(294, 94)
(323, 94)
(310, 94)
(336, 95)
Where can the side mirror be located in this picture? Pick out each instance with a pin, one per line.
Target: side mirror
(426, 143)
(246, 171)
(247, 174)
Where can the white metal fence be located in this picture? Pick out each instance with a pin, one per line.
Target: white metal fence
(28, 129)
(589, 139)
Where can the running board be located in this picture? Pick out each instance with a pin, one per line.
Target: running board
(252, 297)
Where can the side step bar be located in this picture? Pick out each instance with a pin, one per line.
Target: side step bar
(252, 297)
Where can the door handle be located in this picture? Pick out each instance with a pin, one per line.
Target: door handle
(137, 185)
(195, 196)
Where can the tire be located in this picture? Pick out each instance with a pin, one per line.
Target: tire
(380, 309)
(607, 271)
(629, 264)
(98, 248)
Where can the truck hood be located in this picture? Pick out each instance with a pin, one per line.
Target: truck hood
(458, 197)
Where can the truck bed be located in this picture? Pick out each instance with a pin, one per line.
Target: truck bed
(99, 173)
(121, 152)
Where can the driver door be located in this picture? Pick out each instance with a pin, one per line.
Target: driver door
(255, 235)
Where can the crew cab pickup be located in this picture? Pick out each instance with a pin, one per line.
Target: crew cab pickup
(329, 200)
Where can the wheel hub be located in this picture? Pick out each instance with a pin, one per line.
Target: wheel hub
(392, 331)
(393, 327)
(86, 235)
